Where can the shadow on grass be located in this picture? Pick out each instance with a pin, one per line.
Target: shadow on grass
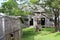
(57, 34)
(29, 33)
(49, 30)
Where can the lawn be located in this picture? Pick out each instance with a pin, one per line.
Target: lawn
(45, 34)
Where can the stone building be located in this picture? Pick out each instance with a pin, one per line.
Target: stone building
(41, 16)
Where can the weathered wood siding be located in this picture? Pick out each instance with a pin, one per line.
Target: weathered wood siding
(10, 26)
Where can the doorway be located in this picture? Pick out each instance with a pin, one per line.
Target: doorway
(42, 21)
(31, 22)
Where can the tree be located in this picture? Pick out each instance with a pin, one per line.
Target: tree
(8, 7)
(11, 8)
(53, 5)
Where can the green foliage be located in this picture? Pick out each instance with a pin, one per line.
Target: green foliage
(56, 4)
(49, 3)
(27, 13)
(34, 1)
(17, 12)
(10, 4)
(53, 3)
(11, 8)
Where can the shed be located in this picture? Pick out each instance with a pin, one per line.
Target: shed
(10, 28)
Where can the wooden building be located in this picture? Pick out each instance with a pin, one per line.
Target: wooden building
(10, 28)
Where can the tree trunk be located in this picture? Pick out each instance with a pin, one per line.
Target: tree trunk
(56, 21)
(56, 26)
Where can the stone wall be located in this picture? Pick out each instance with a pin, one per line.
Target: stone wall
(47, 22)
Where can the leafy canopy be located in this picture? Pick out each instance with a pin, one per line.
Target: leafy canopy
(34, 1)
(11, 8)
(8, 7)
(53, 3)
(49, 3)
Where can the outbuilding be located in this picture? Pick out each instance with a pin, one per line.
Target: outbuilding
(10, 28)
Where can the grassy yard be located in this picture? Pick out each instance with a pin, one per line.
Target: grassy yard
(45, 34)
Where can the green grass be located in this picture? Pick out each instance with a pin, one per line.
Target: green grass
(45, 34)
